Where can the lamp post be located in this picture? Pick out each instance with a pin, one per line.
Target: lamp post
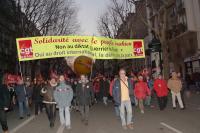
(155, 48)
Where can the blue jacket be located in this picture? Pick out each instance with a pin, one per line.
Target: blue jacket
(150, 84)
(63, 95)
(117, 92)
(21, 93)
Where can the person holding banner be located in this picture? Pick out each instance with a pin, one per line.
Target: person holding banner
(20, 90)
(4, 105)
(123, 97)
(63, 95)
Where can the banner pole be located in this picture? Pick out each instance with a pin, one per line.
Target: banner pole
(20, 70)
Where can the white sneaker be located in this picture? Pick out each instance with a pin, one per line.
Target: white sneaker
(105, 104)
(68, 127)
(142, 111)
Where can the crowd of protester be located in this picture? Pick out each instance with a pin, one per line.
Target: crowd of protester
(81, 93)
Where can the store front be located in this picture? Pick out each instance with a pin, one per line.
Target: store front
(192, 64)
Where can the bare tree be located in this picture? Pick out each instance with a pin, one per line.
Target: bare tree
(46, 17)
(66, 21)
(104, 26)
(110, 21)
(160, 8)
(49, 17)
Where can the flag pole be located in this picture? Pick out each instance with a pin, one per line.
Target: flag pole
(20, 70)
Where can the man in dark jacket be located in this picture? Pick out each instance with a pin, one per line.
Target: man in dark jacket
(123, 97)
(84, 94)
(22, 99)
(4, 104)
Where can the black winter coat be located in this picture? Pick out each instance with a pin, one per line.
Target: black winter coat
(84, 93)
(37, 93)
(104, 87)
(4, 97)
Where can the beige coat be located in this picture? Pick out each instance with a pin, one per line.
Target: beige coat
(175, 85)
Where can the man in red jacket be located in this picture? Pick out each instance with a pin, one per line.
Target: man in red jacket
(160, 87)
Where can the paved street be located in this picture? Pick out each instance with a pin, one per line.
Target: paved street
(103, 120)
(53, 50)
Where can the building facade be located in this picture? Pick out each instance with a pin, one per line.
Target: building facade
(13, 24)
(8, 28)
(182, 32)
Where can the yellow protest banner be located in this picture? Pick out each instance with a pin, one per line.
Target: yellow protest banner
(62, 46)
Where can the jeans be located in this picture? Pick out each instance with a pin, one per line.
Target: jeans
(178, 95)
(3, 120)
(23, 107)
(126, 105)
(117, 111)
(51, 112)
(141, 104)
(64, 114)
(84, 109)
(148, 101)
(162, 102)
(136, 101)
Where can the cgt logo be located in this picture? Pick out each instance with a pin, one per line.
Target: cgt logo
(137, 46)
(26, 50)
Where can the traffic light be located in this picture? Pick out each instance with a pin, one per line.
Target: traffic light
(155, 45)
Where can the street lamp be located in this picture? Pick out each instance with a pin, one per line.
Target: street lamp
(155, 47)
